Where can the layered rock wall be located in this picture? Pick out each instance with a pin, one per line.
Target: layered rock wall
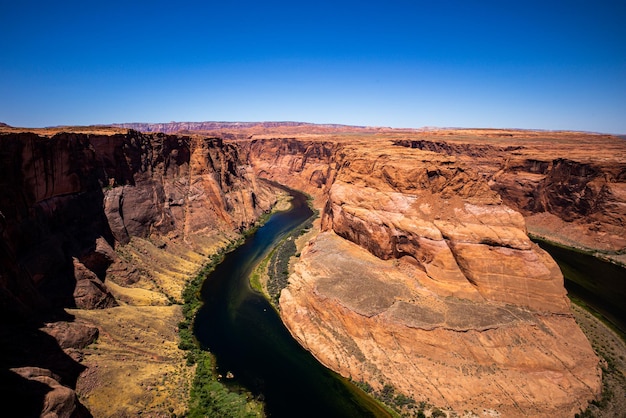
(570, 187)
(68, 199)
(424, 279)
(70, 204)
(309, 166)
(423, 276)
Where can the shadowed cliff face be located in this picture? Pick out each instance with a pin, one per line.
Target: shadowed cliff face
(423, 279)
(571, 187)
(52, 216)
(69, 200)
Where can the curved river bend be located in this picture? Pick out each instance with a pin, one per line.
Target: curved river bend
(249, 339)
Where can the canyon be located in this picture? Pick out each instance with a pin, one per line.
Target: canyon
(420, 275)
(100, 233)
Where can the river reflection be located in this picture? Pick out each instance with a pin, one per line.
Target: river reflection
(601, 285)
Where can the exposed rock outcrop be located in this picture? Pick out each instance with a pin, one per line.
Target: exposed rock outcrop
(304, 165)
(423, 276)
(381, 323)
(569, 186)
(425, 280)
(70, 204)
(68, 199)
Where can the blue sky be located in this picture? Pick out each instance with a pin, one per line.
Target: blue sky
(519, 64)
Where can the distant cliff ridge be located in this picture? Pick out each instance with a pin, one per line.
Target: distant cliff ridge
(174, 127)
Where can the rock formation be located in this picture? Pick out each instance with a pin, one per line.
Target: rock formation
(570, 186)
(70, 203)
(424, 279)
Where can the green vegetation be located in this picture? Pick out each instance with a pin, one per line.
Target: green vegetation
(276, 263)
(278, 268)
(209, 397)
(400, 404)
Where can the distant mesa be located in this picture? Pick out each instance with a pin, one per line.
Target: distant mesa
(173, 127)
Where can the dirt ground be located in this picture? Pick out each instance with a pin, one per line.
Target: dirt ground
(135, 367)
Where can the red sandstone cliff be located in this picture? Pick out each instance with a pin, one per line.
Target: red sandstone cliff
(423, 279)
(571, 187)
(67, 202)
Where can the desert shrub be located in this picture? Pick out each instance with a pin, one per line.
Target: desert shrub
(210, 398)
(401, 400)
(437, 413)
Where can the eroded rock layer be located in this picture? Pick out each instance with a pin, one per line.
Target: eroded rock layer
(92, 221)
(570, 186)
(424, 279)
(377, 322)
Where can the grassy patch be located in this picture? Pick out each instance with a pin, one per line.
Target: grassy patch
(259, 271)
(211, 398)
(276, 263)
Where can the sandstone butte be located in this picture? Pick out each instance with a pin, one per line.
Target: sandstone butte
(422, 275)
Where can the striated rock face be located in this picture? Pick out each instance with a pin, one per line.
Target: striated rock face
(304, 165)
(569, 186)
(424, 279)
(71, 200)
(68, 199)
(478, 252)
(381, 323)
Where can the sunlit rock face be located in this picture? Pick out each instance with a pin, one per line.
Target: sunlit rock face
(570, 186)
(423, 279)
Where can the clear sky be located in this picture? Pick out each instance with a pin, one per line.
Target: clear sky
(518, 64)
